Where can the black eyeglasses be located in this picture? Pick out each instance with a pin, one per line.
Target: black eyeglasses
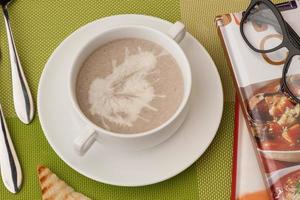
(265, 31)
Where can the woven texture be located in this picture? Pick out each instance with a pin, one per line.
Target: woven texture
(40, 26)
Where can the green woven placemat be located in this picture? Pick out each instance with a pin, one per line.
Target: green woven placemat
(40, 26)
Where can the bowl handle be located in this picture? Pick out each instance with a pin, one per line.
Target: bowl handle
(84, 142)
(177, 32)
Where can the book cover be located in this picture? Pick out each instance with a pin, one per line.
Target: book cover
(273, 120)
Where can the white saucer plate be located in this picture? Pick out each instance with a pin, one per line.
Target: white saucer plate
(130, 168)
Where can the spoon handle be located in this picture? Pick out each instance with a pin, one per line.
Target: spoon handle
(10, 167)
(23, 102)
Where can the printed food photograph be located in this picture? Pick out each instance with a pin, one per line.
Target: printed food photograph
(275, 119)
(287, 187)
(275, 122)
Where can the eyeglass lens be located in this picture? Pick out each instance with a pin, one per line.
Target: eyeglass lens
(262, 29)
(293, 76)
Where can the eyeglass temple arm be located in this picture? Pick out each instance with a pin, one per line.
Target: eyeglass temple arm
(295, 36)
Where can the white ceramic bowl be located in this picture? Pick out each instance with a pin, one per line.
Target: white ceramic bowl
(136, 141)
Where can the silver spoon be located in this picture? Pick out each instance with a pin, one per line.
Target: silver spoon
(9, 164)
(23, 102)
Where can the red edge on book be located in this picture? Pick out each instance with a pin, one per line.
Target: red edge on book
(235, 149)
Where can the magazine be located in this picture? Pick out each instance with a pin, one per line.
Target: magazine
(272, 119)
